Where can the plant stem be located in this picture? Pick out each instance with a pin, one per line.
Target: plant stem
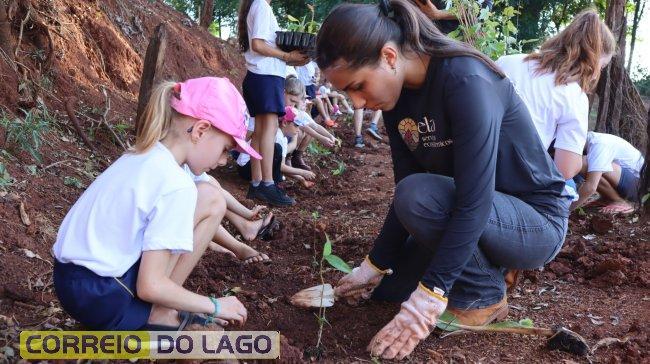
(321, 310)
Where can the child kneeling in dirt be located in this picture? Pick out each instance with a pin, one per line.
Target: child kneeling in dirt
(295, 95)
(126, 247)
(612, 168)
(289, 129)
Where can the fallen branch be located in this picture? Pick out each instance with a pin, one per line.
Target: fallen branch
(22, 27)
(69, 108)
(103, 120)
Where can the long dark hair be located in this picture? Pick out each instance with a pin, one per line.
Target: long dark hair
(644, 184)
(356, 34)
(242, 26)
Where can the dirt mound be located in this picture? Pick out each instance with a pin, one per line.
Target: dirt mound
(76, 47)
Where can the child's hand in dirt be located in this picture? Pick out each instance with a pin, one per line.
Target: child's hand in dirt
(232, 310)
(257, 211)
(329, 143)
(308, 184)
(308, 175)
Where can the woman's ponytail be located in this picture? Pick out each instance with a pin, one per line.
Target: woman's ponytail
(156, 118)
(242, 24)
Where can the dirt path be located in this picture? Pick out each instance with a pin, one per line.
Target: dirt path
(598, 285)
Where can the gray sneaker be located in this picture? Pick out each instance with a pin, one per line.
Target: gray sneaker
(374, 132)
(358, 141)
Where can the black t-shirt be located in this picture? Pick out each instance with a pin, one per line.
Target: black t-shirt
(468, 123)
(448, 26)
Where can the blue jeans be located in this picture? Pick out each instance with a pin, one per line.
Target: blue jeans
(516, 236)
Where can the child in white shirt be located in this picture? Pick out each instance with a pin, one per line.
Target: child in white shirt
(263, 91)
(611, 168)
(129, 243)
(554, 83)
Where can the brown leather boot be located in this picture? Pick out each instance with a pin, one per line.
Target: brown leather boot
(511, 277)
(481, 316)
(297, 162)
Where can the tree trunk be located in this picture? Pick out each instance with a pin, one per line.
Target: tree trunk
(644, 185)
(620, 108)
(153, 62)
(207, 14)
(6, 40)
(639, 7)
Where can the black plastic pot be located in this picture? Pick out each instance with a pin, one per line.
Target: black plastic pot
(304, 41)
(291, 41)
(279, 39)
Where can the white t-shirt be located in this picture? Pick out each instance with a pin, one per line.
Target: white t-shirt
(262, 24)
(603, 149)
(306, 73)
(560, 113)
(204, 177)
(244, 158)
(141, 202)
(291, 71)
(324, 91)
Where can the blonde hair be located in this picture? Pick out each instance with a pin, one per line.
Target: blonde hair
(574, 54)
(156, 119)
(293, 86)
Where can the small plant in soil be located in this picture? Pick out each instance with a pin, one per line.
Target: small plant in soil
(72, 181)
(316, 149)
(338, 264)
(27, 133)
(5, 178)
(339, 170)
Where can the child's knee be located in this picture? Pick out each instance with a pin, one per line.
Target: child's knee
(210, 202)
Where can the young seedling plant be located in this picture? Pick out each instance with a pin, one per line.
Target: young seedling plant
(338, 264)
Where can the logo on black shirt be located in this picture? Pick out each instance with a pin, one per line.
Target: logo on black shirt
(410, 134)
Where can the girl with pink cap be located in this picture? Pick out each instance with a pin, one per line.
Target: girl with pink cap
(129, 243)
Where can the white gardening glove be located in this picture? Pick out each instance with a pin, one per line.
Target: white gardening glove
(360, 283)
(414, 322)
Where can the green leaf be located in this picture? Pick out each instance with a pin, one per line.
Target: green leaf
(291, 18)
(338, 263)
(446, 322)
(327, 248)
(645, 198)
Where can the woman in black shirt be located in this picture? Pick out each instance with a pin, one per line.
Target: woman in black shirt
(476, 192)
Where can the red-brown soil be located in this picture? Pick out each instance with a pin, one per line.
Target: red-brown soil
(597, 286)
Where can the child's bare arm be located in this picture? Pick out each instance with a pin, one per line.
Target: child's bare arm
(155, 286)
(322, 131)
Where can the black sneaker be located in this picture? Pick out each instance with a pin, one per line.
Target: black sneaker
(274, 195)
(252, 192)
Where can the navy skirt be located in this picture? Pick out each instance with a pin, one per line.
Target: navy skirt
(100, 303)
(264, 94)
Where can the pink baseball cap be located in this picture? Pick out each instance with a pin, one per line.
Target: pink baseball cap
(217, 101)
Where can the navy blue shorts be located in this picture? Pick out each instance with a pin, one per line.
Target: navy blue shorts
(100, 303)
(311, 91)
(264, 94)
(628, 185)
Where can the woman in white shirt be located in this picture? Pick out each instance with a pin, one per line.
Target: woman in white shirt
(554, 83)
(263, 90)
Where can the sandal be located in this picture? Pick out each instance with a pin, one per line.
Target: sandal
(266, 231)
(186, 318)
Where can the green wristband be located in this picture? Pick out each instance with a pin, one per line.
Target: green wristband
(217, 308)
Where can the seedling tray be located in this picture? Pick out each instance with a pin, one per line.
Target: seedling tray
(292, 41)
